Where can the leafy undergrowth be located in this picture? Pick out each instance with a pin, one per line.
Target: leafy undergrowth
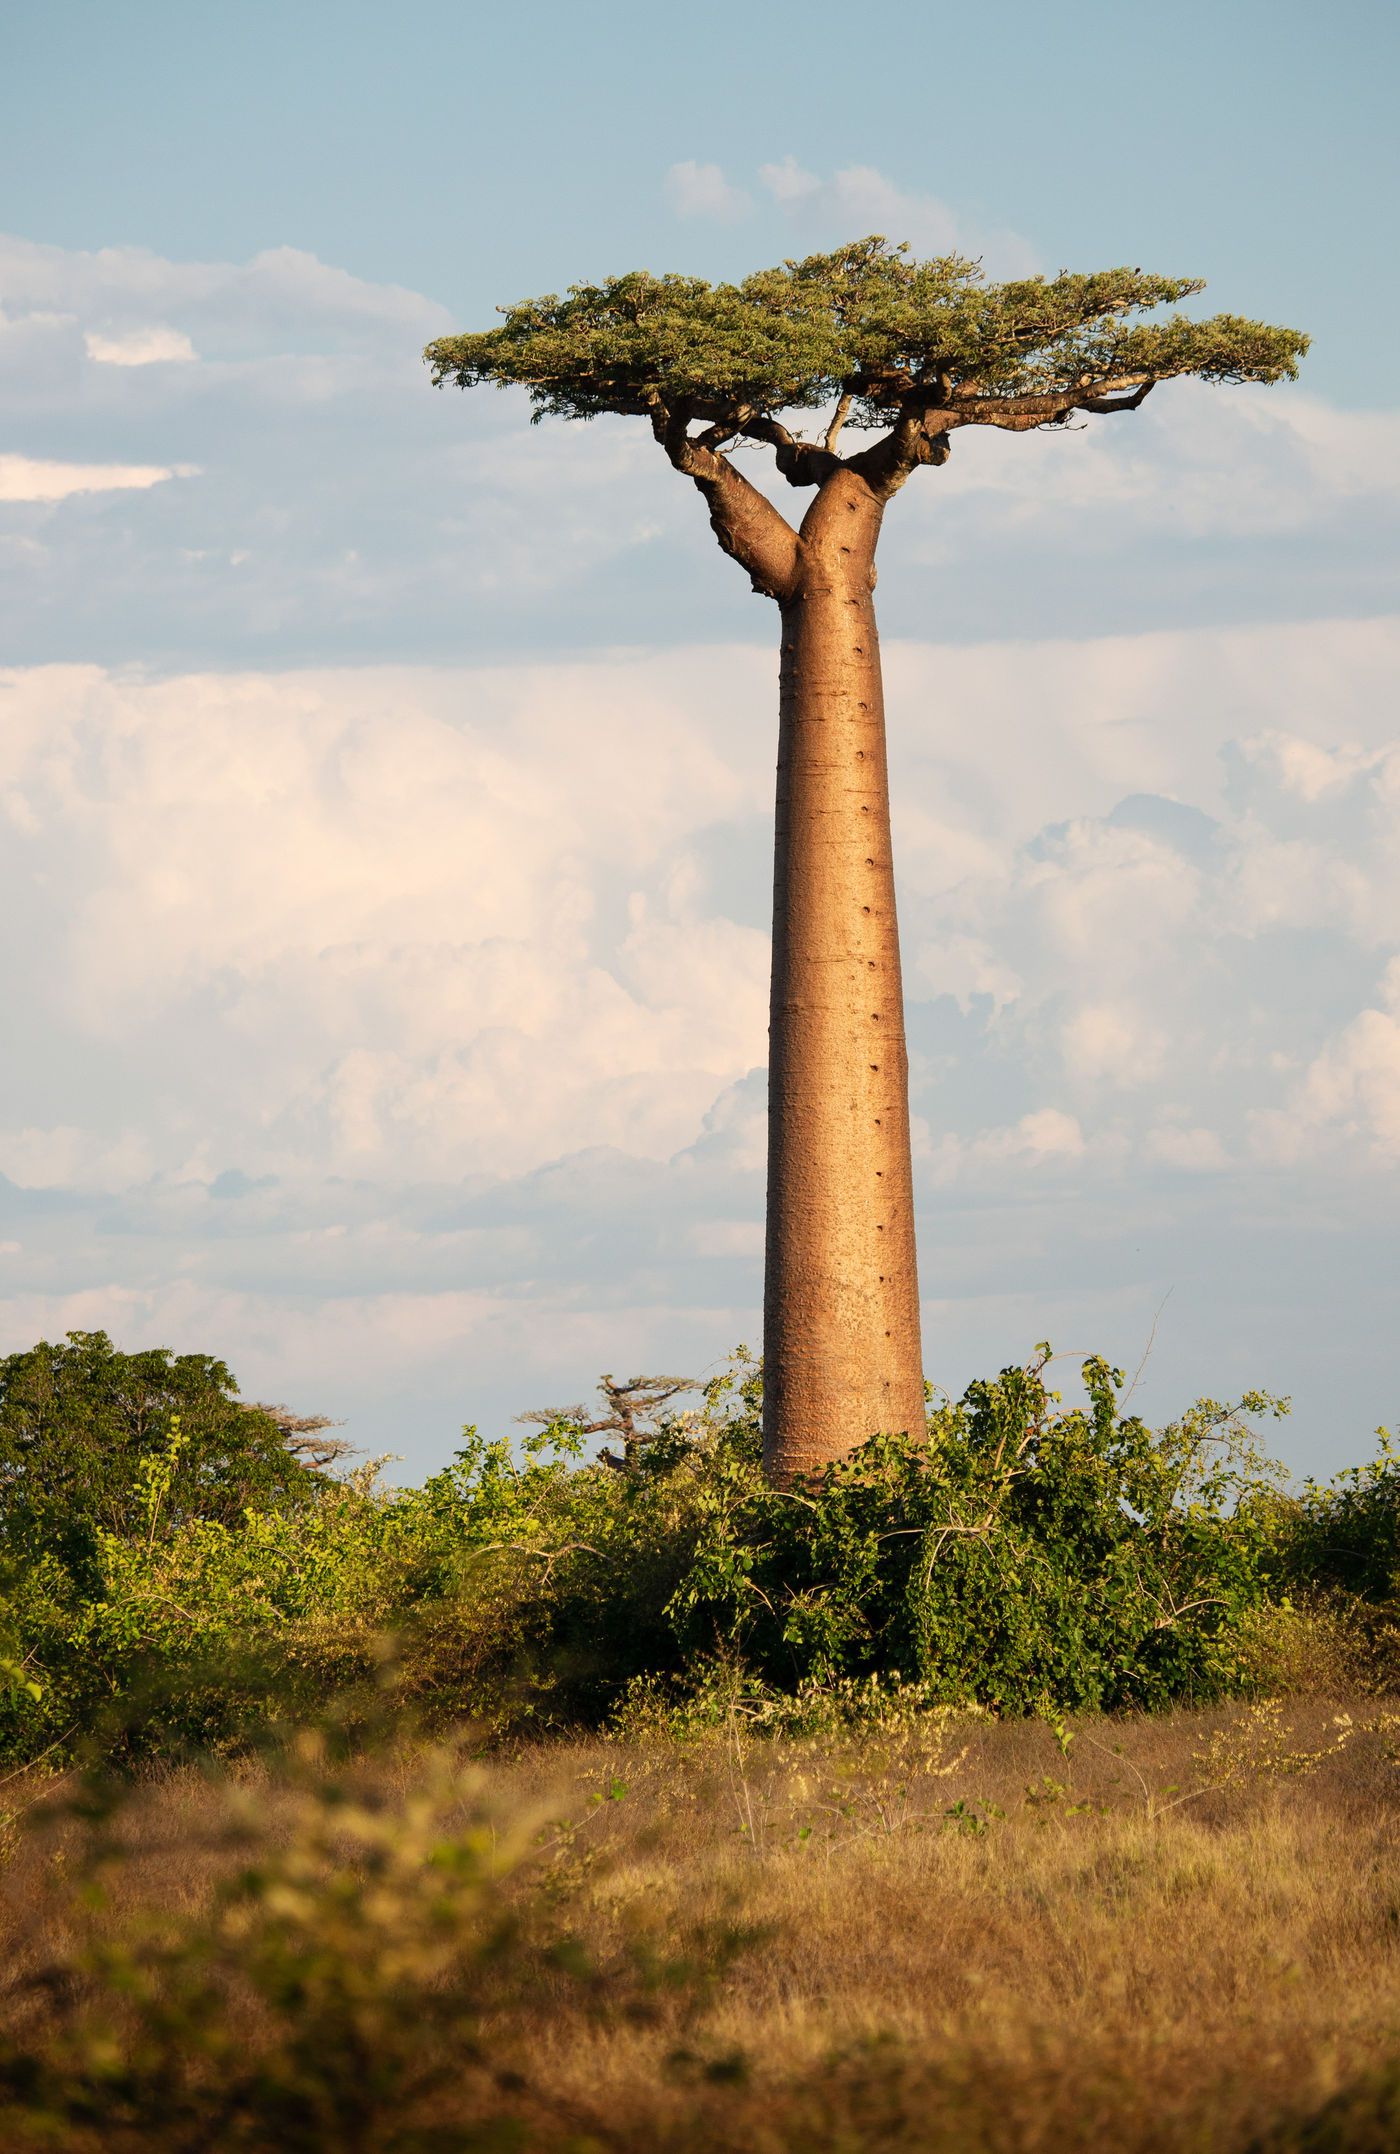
(936, 1932)
(166, 1587)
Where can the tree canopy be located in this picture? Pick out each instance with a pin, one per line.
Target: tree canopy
(78, 1419)
(920, 347)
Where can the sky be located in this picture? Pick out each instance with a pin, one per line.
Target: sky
(386, 785)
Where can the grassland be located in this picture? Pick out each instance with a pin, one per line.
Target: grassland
(1159, 1934)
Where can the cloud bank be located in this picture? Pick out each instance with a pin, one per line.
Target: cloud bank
(345, 512)
(418, 1015)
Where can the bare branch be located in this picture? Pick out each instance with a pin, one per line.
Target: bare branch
(640, 1398)
(303, 1435)
(838, 419)
(744, 521)
(726, 423)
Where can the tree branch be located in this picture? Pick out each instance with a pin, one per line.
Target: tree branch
(918, 436)
(802, 463)
(744, 521)
(750, 529)
(838, 419)
(1019, 413)
(1117, 403)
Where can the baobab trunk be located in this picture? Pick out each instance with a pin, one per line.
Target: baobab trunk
(841, 1346)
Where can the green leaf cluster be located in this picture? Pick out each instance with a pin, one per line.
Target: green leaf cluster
(867, 321)
(1018, 1554)
(82, 1427)
(1344, 1538)
(1021, 1556)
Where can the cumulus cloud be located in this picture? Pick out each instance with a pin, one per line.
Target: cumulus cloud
(126, 296)
(696, 190)
(1194, 960)
(387, 1013)
(859, 199)
(1046, 1134)
(856, 200)
(457, 925)
(348, 511)
(1199, 1151)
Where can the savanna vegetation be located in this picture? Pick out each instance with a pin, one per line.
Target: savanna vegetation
(1030, 1784)
(180, 1567)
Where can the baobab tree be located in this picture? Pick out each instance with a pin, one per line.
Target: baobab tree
(911, 351)
(629, 1406)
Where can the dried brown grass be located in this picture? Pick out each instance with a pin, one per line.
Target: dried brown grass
(1183, 1936)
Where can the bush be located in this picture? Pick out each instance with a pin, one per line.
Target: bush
(1022, 1556)
(81, 1427)
(348, 1959)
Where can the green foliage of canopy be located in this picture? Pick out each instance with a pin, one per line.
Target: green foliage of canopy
(1346, 1537)
(1023, 1556)
(866, 322)
(81, 1425)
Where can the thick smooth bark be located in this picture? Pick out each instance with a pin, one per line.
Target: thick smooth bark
(841, 1347)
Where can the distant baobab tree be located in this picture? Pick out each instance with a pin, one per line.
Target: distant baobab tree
(640, 1399)
(911, 351)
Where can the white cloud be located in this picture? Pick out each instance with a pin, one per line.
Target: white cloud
(1045, 1134)
(395, 880)
(36, 1158)
(1200, 460)
(122, 295)
(856, 200)
(27, 478)
(152, 345)
(68, 1156)
(860, 199)
(1349, 1093)
(696, 190)
(789, 184)
(399, 923)
(1112, 1043)
(463, 971)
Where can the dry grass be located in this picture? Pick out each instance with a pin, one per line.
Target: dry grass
(949, 1938)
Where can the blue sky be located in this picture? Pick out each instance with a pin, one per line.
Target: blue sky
(386, 785)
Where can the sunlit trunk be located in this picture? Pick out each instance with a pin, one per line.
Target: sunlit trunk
(841, 1347)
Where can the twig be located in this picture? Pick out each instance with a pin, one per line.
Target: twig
(21, 1770)
(1151, 1342)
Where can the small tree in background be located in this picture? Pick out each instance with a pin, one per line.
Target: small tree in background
(640, 1399)
(305, 1436)
(910, 351)
(78, 1422)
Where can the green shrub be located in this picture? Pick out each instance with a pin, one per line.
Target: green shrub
(81, 1424)
(1024, 1555)
(1345, 1537)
